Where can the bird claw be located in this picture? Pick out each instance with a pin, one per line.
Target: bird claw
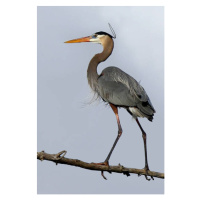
(146, 174)
(102, 174)
(105, 163)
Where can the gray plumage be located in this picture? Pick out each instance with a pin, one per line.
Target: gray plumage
(119, 88)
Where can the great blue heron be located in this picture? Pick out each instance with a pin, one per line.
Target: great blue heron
(117, 88)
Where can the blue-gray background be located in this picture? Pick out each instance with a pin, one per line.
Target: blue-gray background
(66, 120)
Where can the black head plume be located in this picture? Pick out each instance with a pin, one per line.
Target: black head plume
(104, 33)
(112, 30)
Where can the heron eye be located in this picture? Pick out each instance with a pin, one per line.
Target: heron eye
(94, 36)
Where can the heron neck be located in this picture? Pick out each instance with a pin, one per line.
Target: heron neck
(92, 74)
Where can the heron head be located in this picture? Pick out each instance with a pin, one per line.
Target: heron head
(98, 37)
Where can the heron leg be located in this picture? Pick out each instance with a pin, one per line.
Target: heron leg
(145, 150)
(115, 110)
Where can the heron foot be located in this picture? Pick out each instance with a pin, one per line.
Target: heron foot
(105, 163)
(146, 168)
(102, 163)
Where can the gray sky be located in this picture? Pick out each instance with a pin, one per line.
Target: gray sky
(66, 121)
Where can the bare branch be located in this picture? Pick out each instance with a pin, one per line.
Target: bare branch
(59, 158)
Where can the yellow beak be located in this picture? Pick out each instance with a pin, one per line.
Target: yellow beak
(84, 39)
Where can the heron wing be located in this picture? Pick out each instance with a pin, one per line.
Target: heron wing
(119, 88)
(115, 92)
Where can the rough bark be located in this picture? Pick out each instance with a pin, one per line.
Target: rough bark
(60, 159)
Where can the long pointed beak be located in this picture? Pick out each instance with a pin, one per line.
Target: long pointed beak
(84, 39)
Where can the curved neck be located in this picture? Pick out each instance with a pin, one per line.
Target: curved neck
(92, 74)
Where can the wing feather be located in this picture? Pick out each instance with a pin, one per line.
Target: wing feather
(117, 87)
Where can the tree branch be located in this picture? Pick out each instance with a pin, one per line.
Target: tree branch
(59, 158)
